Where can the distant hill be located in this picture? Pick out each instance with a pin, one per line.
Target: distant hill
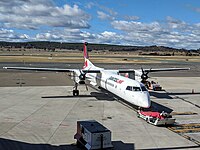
(149, 50)
(72, 46)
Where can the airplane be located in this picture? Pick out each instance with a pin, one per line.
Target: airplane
(132, 89)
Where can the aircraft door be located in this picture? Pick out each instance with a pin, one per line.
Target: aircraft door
(106, 80)
(98, 79)
(101, 81)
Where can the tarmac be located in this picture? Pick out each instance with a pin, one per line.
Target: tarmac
(34, 116)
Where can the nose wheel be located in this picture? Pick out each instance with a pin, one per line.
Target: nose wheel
(76, 91)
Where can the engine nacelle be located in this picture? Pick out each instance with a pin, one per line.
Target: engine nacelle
(79, 77)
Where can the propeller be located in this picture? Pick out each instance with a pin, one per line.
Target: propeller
(78, 76)
(144, 75)
(82, 79)
(82, 75)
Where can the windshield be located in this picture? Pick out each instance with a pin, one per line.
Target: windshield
(136, 88)
(133, 88)
(143, 88)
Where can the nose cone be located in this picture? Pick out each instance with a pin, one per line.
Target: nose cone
(146, 104)
(144, 100)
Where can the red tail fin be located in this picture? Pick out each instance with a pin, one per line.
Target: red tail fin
(85, 52)
(87, 62)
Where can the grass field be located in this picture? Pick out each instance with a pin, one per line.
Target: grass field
(96, 57)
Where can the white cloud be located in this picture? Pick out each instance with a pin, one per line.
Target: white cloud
(103, 12)
(66, 35)
(5, 31)
(131, 18)
(10, 35)
(133, 26)
(171, 33)
(108, 37)
(104, 16)
(31, 14)
(24, 36)
(107, 34)
(90, 5)
(79, 36)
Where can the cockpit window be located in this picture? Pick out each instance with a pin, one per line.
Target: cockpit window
(143, 88)
(129, 88)
(133, 88)
(136, 88)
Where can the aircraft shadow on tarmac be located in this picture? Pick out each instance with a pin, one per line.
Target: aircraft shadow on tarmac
(167, 95)
(7, 144)
(173, 148)
(97, 95)
(111, 97)
(67, 96)
(154, 106)
(159, 108)
(104, 95)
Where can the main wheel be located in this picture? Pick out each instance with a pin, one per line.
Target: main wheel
(75, 92)
(78, 144)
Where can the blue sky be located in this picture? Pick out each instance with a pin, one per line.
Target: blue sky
(172, 23)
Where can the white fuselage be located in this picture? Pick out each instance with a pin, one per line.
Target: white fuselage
(130, 90)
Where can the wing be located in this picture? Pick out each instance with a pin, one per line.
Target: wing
(150, 70)
(93, 71)
(52, 69)
(165, 69)
(41, 69)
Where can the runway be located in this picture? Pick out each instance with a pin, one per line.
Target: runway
(29, 78)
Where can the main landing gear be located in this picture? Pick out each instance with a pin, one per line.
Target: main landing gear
(75, 90)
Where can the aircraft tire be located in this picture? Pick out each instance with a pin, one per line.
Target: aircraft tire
(75, 92)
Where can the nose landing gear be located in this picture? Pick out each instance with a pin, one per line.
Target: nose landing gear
(75, 90)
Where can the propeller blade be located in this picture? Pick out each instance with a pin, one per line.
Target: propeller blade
(144, 75)
(142, 70)
(86, 87)
(82, 75)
